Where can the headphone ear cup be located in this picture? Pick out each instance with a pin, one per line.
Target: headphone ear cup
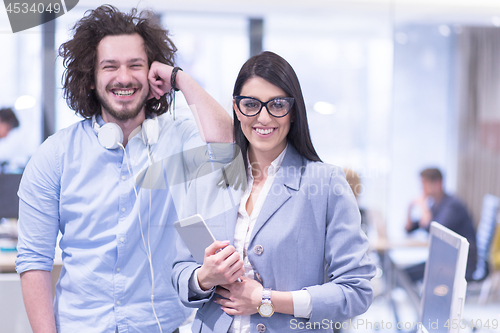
(110, 136)
(150, 131)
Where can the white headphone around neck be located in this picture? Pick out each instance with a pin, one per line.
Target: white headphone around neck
(110, 135)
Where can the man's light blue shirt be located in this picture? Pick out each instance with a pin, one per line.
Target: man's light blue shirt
(74, 185)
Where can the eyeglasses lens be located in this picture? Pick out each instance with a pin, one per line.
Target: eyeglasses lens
(277, 107)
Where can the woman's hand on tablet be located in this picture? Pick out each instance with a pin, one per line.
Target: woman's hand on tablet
(221, 265)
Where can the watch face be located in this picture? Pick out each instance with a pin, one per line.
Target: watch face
(266, 309)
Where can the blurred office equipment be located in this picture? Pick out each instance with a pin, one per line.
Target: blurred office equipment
(9, 202)
(443, 294)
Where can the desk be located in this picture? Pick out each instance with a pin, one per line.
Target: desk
(393, 270)
(384, 245)
(8, 262)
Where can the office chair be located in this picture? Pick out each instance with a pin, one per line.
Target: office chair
(484, 237)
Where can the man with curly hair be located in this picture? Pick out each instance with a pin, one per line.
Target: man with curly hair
(117, 238)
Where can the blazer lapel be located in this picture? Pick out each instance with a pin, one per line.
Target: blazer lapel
(287, 179)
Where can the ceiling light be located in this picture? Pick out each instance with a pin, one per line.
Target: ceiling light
(25, 102)
(324, 108)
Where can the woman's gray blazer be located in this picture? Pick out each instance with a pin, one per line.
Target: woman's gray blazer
(307, 236)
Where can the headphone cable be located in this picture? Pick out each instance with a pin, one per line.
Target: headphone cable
(148, 247)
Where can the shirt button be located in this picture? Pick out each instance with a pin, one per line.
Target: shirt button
(118, 269)
(261, 328)
(122, 239)
(124, 209)
(118, 302)
(258, 249)
(124, 177)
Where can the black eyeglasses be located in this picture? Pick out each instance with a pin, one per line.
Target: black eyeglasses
(277, 107)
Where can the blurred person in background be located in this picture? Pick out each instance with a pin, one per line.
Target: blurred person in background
(8, 121)
(434, 204)
(354, 181)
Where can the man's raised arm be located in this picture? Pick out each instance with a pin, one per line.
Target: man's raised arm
(214, 123)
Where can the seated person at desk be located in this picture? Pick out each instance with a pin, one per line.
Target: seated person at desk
(436, 205)
(8, 121)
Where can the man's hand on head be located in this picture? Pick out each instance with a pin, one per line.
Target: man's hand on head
(159, 79)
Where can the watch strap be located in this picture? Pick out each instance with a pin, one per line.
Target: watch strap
(266, 294)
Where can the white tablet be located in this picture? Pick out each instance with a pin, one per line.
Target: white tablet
(196, 235)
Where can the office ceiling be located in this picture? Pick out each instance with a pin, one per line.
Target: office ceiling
(470, 12)
(399, 10)
(404, 7)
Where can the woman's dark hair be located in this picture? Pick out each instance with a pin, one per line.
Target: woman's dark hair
(79, 54)
(276, 70)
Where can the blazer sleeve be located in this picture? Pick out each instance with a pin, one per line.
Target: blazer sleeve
(347, 291)
(184, 264)
(183, 268)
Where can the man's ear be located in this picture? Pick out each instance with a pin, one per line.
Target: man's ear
(92, 86)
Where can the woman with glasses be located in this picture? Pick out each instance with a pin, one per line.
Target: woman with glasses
(292, 255)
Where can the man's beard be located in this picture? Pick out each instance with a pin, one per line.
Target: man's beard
(121, 114)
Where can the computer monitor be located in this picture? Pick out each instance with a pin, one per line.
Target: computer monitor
(9, 202)
(444, 286)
